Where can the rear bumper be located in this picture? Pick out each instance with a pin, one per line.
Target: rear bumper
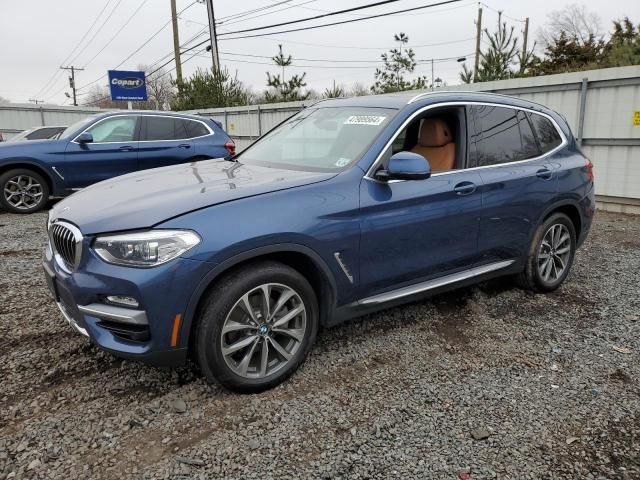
(587, 214)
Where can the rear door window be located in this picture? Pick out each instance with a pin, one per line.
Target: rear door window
(501, 135)
(163, 128)
(546, 132)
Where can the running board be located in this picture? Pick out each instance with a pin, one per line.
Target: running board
(435, 283)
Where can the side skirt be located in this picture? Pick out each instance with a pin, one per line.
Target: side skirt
(424, 289)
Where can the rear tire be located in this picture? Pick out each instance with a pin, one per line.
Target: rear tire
(550, 255)
(23, 191)
(251, 352)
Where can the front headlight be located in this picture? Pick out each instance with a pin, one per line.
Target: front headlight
(145, 249)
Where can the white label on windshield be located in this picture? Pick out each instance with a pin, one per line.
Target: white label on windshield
(342, 162)
(364, 120)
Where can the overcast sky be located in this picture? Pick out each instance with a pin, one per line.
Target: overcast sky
(38, 35)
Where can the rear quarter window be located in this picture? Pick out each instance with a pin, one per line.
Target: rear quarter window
(546, 132)
(195, 129)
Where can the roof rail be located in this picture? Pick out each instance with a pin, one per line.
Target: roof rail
(475, 92)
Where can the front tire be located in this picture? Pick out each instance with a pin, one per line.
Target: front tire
(550, 256)
(23, 191)
(256, 327)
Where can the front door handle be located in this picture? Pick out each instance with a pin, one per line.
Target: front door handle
(465, 188)
(126, 148)
(184, 145)
(544, 173)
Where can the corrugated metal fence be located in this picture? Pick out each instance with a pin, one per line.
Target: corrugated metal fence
(598, 104)
(16, 117)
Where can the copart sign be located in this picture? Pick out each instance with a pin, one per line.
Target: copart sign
(127, 85)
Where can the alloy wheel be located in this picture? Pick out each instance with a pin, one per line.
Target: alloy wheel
(23, 192)
(554, 253)
(263, 330)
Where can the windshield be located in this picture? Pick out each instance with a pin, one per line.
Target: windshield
(320, 139)
(80, 124)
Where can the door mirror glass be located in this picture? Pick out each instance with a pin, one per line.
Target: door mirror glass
(405, 166)
(84, 137)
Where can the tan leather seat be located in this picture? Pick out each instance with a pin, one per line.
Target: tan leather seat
(435, 143)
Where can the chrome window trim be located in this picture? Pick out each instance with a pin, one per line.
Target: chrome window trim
(376, 163)
(211, 132)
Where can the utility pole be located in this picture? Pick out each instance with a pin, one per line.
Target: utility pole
(72, 81)
(215, 58)
(525, 37)
(478, 35)
(36, 101)
(176, 42)
(432, 79)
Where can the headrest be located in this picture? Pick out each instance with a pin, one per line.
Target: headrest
(434, 132)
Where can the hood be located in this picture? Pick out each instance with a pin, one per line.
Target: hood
(25, 147)
(146, 198)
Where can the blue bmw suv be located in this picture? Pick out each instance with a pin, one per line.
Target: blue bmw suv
(350, 206)
(102, 147)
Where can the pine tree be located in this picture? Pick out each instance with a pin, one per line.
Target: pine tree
(334, 92)
(397, 64)
(496, 62)
(285, 90)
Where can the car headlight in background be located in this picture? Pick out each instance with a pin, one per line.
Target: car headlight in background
(145, 249)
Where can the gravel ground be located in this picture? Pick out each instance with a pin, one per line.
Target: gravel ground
(484, 382)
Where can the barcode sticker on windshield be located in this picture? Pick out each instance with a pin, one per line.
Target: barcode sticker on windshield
(364, 120)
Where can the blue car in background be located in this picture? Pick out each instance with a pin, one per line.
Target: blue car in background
(101, 147)
(348, 207)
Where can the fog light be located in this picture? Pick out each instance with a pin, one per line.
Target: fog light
(123, 300)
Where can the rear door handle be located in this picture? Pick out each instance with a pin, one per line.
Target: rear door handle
(184, 145)
(126, 148)
(465, 188)
(544, 173)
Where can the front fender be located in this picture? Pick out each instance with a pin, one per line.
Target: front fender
(218, 270)
(56, 182)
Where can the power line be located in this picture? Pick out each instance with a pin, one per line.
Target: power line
(317, 26)
(315, 17)
(377, 61)
(146, 42)
(58, 72)
(503, 14)
(255, 10)
(117, 33)
(268, 13)
(450, 42)
(360, 14)
(369, 17)
(113, 10)
(369, 67)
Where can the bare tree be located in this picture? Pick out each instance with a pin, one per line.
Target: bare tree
(358, 90)
(577, 21)
(4, 100)
(160, 88)
(99, 96)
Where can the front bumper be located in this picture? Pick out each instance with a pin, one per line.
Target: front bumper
(145, 333)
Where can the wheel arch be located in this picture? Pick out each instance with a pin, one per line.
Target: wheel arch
(299, 257)
(30, 165)
(570, 209)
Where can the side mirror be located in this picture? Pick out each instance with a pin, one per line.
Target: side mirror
(405, 166)
(84, 137)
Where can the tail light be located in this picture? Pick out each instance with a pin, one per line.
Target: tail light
(588, 166)
(231, 147)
